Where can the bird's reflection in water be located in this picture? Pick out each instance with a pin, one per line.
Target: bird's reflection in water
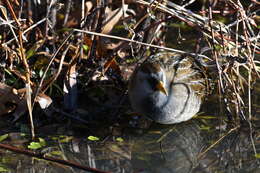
(171, 149)
(160, 149)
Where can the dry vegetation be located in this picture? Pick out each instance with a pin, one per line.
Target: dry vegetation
(51, 49)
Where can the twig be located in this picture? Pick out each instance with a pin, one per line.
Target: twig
(138, 42)
(49, 158)
(61, 63)
(47, 68)
(26, 66)
(28, 29)
(194, 20)
(68, 7)
(217, 142)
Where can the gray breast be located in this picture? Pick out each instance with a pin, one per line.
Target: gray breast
(181, 105)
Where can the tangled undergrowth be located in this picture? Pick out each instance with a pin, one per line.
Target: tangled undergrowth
(51, 52)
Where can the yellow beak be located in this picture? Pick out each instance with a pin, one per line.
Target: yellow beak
(161, 88)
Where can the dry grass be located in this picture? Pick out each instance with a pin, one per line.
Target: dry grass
(42, 42)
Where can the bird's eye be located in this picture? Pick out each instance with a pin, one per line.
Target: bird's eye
(153, 82)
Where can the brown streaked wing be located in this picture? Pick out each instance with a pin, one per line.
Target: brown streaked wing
(190, 72)
(183, 69)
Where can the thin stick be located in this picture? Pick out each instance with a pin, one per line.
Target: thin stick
(49, 158)
(49, 65)
(217, 142)
(26, 66)
(138, 42)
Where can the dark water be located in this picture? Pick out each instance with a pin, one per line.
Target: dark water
(205, 144)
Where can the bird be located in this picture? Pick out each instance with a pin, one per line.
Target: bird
(168, 87)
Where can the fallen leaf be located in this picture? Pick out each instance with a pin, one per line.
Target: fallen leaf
(43, 100)
(93, 138)
(113, 17)
(3, 137)
(112, 64)
(34, 145)
(11, 102)
(119, 139)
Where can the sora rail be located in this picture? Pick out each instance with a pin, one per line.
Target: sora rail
(168, 87)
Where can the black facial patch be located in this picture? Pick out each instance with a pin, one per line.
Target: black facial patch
(153, 82)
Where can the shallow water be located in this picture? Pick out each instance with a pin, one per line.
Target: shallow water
(194, 146)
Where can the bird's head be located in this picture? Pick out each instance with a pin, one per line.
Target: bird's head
(151, 77)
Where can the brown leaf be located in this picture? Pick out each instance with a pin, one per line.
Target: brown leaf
(10, 101)
(112, 19)
(43, 100)
(104, 45)
(112, 64)
(88, 6)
